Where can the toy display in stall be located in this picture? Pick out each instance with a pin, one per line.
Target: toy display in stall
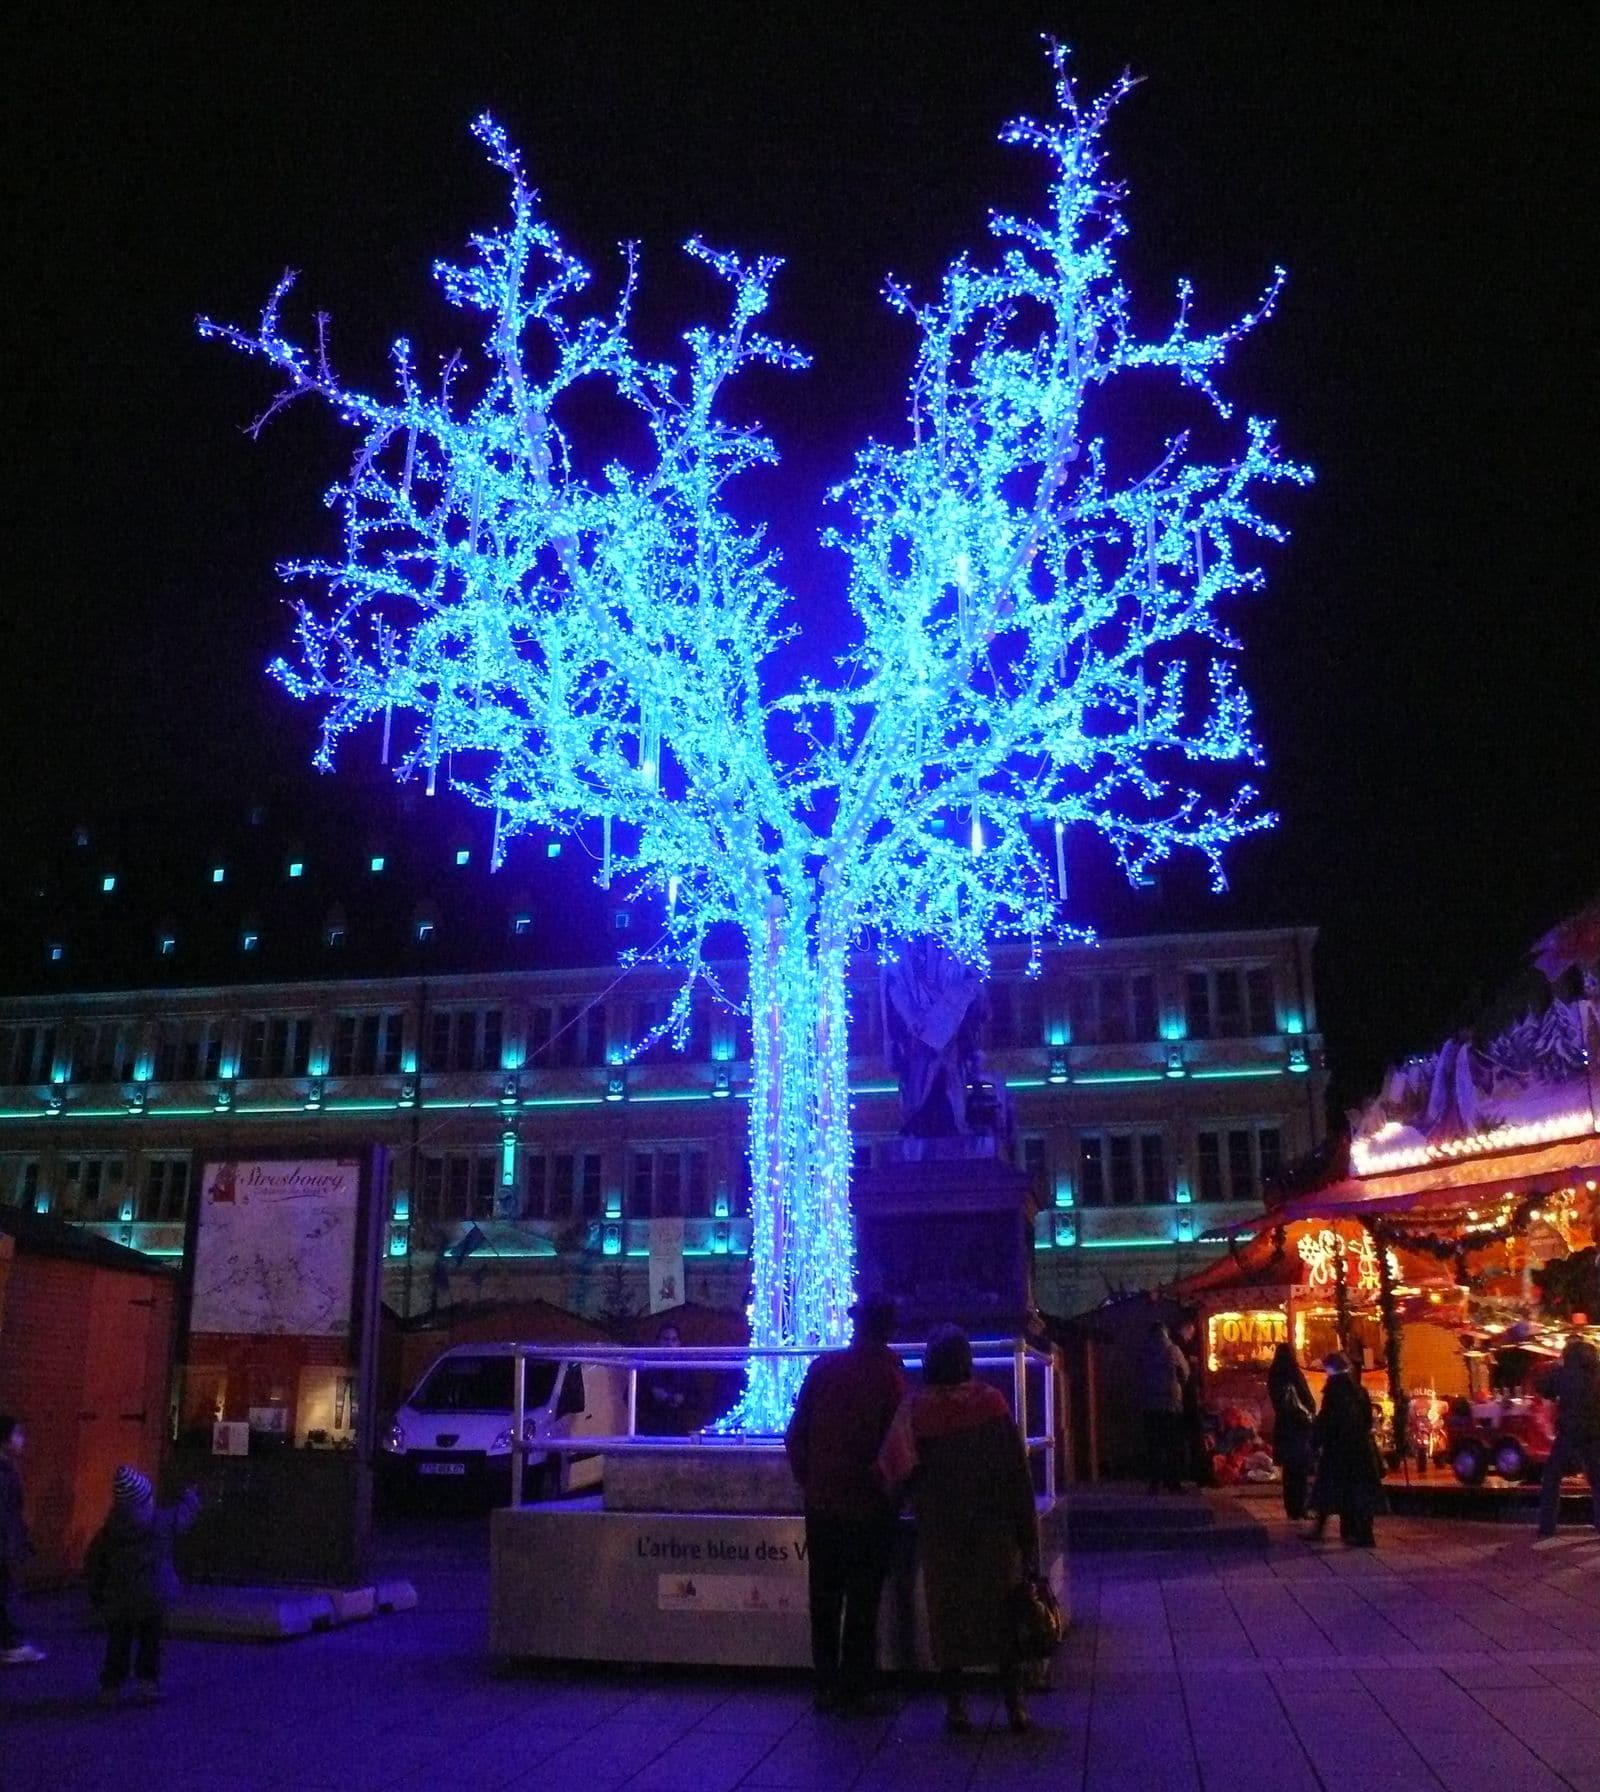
(1238, 1452)
(1504, 1426)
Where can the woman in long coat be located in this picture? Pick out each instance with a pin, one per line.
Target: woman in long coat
(1348, 1473)
(1293, 1413)
(955, 1445)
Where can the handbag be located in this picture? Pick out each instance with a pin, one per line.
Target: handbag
(1037, 1625)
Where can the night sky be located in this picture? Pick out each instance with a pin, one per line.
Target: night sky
(1425, 661)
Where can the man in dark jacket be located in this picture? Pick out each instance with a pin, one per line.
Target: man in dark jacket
(846, 1404)
(1349, 1474)
(1574, 1385)
(1162, 1372)
(14, 1651)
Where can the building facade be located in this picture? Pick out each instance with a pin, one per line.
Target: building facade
(1153, 1084)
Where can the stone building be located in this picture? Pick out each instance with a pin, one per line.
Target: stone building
(307, 981)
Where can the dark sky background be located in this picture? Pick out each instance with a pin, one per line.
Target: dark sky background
(1425, 663)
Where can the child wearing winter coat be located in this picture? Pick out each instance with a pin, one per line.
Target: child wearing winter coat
(132, 1581)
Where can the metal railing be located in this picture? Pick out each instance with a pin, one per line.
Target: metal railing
(1018, 1354)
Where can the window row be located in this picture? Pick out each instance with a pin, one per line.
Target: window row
(1107, 1008)
(1128, 1167)
(195, 1048)
(96, 1186)
(661, 1182)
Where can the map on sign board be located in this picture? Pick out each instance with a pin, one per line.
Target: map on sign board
(276, 1248)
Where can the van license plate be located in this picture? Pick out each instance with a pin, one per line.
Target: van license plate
(441, 1468)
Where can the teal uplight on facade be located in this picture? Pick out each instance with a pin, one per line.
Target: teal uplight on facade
(1057, 1072)
(616, 1084)
(611, 1242)
(721, 1083)
(1175, 1063)
(1172, 1027)
(1299, 1063)
(1065, 1232)
(1064, 1194)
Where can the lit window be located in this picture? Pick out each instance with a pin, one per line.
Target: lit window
(376, 862)
(57, 952)
(620, 920)
(521, 923)
(463, 857)
(296, 868)
(424, 931)
(335, 936)
(80, 836)
(169, 945)
(219, 874)
(552, 849)
(109, 882)
(249, 941)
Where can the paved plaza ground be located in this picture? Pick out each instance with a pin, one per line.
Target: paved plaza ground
(1456, 1657)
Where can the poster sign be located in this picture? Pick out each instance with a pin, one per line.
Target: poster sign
(275, 1248)
(666, 1264)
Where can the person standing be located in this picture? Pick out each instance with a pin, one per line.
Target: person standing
(667, 1410)
(1294, 1413)
(846, 1404)
(1348, 1472)
(1194, 1449)
(132, 1580)
(15, 1650)
(1162, 1371)
(1574, 1385)
(955, 1445)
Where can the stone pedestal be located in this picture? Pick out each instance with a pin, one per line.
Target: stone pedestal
(946, 1229)
(570, 1581)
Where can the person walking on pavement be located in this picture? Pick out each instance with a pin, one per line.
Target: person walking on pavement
(1294, 1412)
(1574, 1385)
(955, 1446)
(1162, 1371)
(15, 1650)
(847, 1402)
(1349, 1474)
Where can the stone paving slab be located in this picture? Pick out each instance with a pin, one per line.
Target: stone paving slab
(1453, 1659)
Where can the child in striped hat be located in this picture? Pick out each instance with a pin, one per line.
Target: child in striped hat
(132, 1581)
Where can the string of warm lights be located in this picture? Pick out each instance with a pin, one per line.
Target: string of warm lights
(1038, 636)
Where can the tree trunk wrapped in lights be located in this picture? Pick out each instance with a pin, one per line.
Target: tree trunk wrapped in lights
(1036, 606)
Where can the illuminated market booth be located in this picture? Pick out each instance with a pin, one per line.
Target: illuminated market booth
(1457, 1252)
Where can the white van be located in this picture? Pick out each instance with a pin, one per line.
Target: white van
(454, 1428)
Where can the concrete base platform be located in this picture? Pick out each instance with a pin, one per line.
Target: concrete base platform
(269, 1614)
(571, 1581)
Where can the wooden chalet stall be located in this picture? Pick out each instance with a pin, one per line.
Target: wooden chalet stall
(85, 1347)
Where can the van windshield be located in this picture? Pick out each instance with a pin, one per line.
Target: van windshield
(480, 1384)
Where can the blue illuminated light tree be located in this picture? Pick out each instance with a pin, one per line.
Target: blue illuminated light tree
(1038, 637)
